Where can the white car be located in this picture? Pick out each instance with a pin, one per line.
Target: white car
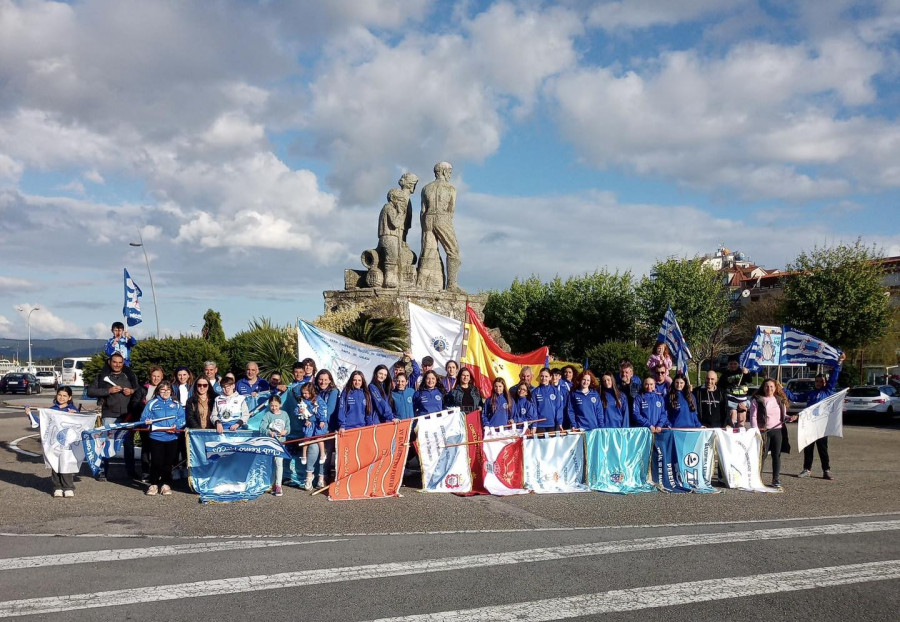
(872, 399)
(48, 378)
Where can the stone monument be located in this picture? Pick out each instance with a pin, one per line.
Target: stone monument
(393, 277)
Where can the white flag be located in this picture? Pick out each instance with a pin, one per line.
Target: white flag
(823, 419)
(555, 463)
(444, 469)
(740, 453)
(435, 335)
(61, 438)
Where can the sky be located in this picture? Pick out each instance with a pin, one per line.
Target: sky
(251, 144)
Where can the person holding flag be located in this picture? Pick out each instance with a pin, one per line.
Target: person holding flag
(63, 483)
(121, 342)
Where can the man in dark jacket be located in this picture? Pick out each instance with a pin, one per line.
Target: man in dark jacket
(712, 403)
(119, 395)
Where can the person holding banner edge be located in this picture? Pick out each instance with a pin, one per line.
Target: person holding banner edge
(63, 483)
(824, 388)
(768, 413)
(163, 438)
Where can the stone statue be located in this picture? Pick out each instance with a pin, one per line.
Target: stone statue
(438, 205)
(392, 263)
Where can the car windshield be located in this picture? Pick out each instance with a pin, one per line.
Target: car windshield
(16, 376)
(864, 392)
(801, 386)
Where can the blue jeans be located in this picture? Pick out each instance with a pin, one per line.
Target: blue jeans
(315, 462)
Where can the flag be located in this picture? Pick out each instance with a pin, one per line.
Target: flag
(370, 461)
(435, 335)
(765, 349)
(670, 333)
(554, 463)
(683, 460)
(487, 360)
(618, 459)
(799, 347)
(474, 436)
(740, 458)
(444, 469)
(503, 469)
(340, 355)
(228, 476)
(106, 442)
(822, 419)
(132, 309)
(261, 445)
(61, 438)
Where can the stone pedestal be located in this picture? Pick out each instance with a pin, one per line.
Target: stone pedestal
(382, 302)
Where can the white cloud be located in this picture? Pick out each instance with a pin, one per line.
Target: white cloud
(6, 327)
(621, 14)
(13, 285)
(46, 325)
(94, 176)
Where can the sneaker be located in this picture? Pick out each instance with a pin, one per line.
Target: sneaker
(320, 482)
(827, 475)
(68, 493)
(307, 485)
(277, 492)
(776, 484)
(165, 490)
(804, 473)
(57, 493)
(101, 476)
(152, 490)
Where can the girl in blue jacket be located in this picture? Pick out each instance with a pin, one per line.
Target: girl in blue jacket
(650, 408)
(680, 404)
(382, 400)
(585, 407)
(314, 421)
(163, 438)
(403, 396)
(430, 396)
(329, 394)
(523, 408)
(354, 404)
(615, 405)
(496, 411)
(549, 404)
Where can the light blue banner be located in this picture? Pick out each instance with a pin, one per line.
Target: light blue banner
(683, 460)
(238, 476)
(340, 355)
(104, 443)
(618, 460)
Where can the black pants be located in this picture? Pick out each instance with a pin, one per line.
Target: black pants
(146, 452)
(773, 444)
(164, 454)
(62, 481)
(822, 444)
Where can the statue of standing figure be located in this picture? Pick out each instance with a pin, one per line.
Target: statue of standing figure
(393, 263)
(438, 206)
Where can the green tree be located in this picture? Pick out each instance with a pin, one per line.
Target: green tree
(567, 316)
(388, 333)
(698, 297)
(273, 348)
(212, 328)
(838, 294)
(169, 353)
(606, 357)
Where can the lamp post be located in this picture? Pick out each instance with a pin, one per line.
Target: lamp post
(150, 274)
(28, 320)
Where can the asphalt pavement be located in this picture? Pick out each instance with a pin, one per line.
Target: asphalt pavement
(824, 550)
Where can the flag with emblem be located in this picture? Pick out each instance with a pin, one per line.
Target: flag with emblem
(435, 335)
(503, 468)
(61, 438)
(800, 347)
(132, 309)
(106, 442)
(221, 472)
(740, 453)
(822, 419)
(683, 460)
(487, 360)
(670, 334)
(618, 459)
(474, 436)
(554, 463)
(444, 468)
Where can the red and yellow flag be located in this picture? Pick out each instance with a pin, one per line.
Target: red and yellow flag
(487, 360)
(370, 461)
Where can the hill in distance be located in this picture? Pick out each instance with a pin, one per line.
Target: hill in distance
(52, 349)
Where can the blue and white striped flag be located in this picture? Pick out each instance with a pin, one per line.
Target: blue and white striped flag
(132, 309)
(671, 334)
(751, 354)
(799, 347)
(104, 443)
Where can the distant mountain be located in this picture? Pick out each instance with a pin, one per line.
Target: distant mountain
(54, 349)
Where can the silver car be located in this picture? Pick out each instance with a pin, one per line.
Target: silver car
(48, 379)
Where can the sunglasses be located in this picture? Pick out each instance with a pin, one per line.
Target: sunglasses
(202, 384)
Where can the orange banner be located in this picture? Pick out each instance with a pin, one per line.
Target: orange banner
(370, 461)
(487, 360)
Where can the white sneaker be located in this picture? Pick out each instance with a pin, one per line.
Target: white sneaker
(152, 490)
(165, 490)
(58, 493)
(68, 493)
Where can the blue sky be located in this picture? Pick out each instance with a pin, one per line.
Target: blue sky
(252, 144)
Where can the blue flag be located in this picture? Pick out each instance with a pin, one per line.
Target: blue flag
(618, 459)
(671, 335)
(132, 309)
(752, 354)
(104, 443)
(230, 475)
(799, 347)
(683, 460)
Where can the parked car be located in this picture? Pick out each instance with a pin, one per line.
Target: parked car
(48, 379)
(872, 399)
(801, 388)
(18, 382)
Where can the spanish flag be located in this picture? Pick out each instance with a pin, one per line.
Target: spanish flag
(487, 360)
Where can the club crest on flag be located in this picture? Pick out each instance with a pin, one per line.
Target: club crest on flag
(452, 481)
(440, 344)
(616, 478)
(63, 437)
(691, 460)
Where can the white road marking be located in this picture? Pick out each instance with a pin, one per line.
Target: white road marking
(255, 583)
(14, 445)
(116, 555)
(667, 595)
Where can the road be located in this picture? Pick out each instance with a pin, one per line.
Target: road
(825, 550)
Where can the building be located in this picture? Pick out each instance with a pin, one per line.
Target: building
(740, 274)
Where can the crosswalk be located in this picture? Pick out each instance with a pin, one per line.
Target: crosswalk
(315, 564)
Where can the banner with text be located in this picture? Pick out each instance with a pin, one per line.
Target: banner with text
(61, 438)
(683, 460)
(503, 470)
(370, 461)
(740, 458)
(555, 463)
(444, 469)
(228, 475)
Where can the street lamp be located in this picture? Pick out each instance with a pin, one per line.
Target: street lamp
(28, 320)
(150, 274)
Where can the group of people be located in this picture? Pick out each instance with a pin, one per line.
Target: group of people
(561, 399)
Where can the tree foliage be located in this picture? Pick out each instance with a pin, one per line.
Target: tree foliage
(388, 333)
(169, 353)
(607, 356)
(838, 295)
(273, 347)
(567, 316)
(212, 328)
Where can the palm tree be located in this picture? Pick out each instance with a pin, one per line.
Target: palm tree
(388, 333)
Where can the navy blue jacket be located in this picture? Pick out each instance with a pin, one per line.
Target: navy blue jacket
(496, 417)
(524, 410)
(615, 416)
(682, 416)
(426, 401)
(352, 410)
(650, 411)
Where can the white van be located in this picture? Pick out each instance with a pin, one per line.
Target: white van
(72, 372)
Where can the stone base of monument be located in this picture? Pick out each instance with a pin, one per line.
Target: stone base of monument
(385, 302)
